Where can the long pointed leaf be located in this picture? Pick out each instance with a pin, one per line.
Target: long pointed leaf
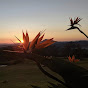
(18, 39)
(40, 39)
(33, 43)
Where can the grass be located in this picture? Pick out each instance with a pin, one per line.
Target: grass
(23, 75)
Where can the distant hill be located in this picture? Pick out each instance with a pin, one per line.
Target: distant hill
(82, 43)
(5, 45)
(58, 49)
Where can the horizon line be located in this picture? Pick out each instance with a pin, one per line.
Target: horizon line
(56, 41)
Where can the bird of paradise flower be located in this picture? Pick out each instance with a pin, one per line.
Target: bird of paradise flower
(73, 59)
(75, 22)
(36, 43)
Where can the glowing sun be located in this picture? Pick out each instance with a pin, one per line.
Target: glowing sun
(22, 41)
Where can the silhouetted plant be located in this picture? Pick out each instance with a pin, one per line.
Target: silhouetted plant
(35, 86)
(74, 76)
(55, 85)
(75, 22)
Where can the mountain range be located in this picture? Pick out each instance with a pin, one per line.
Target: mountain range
(82, 43)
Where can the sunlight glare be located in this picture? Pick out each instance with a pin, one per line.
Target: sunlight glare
(22, 41)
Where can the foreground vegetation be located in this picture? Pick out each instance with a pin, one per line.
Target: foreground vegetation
(23, 75)
(27, 75)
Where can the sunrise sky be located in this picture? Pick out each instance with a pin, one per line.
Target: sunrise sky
(37, 15)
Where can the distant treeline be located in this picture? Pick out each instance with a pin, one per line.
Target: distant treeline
(65, 49)
(58, 49)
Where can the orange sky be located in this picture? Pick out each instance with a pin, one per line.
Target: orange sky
(37, 15)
